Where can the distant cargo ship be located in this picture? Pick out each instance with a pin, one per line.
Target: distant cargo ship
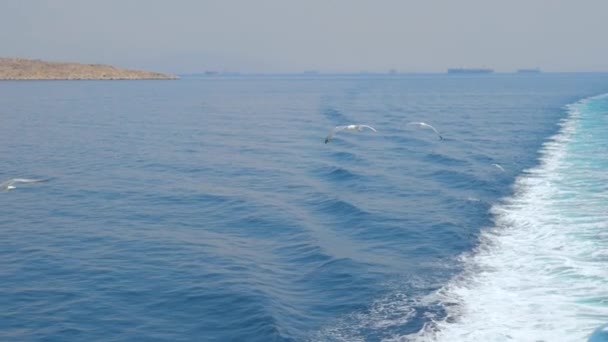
(469, 71)
(528, 71)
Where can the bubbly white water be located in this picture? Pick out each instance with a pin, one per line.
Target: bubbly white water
(541, 273)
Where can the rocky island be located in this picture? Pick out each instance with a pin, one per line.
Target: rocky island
(35, 69)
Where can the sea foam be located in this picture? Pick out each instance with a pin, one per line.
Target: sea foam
(540, 273)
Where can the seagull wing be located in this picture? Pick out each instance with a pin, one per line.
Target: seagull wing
(27, 180)
(4, 185)
(7, 185)
(333, 132)
(434, 130)
(423, 125)
(370, 127)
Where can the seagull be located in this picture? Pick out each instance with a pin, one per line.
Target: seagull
(425, 125)
(8, 185)
(336, 129)
(499, 167)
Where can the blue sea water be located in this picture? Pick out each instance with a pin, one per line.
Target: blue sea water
(210, 209)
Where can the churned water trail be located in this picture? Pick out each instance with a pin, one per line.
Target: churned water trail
(540, 273)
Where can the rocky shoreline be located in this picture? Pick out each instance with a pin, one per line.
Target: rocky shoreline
(34, 69)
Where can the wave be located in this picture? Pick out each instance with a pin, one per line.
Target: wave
(340, 208)
(259, 322)
(539, 274)
(346, 156)
(337, 173)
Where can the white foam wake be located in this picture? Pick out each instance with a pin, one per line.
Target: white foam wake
(541, 274)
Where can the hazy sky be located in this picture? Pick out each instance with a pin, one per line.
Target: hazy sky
(326, 35)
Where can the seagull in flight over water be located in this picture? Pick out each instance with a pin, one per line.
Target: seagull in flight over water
(356, 128)
(499, 167)
(9, 184)
(425, 125)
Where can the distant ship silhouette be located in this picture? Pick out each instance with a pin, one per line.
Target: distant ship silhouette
(528, 71)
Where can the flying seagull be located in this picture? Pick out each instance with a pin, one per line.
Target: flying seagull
(9, 184)
(357, 128)
(425, 125)
(499, 167)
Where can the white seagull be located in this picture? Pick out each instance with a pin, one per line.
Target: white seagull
(425, 125)
(8, 185)
(356, 128)
(499, 167)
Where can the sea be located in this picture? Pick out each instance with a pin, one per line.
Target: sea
(210, 208)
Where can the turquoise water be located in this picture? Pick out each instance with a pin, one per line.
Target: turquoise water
(211, 209)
